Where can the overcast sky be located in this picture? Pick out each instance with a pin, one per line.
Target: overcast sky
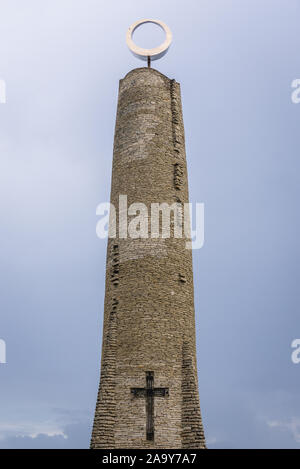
(61, 61)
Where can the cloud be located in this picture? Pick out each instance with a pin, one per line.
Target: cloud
(71, 437)
(292, 426)
(30, 429)
(49, 428)
(211, 440)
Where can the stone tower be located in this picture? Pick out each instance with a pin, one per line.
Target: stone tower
(148, 395)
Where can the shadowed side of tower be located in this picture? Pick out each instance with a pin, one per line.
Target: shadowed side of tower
(148, 394)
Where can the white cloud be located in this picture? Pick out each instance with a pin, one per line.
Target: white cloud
(33, 422)
(211, 440)
(292, 426)
(30, 429)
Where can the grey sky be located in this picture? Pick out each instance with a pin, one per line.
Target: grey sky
(235, 60)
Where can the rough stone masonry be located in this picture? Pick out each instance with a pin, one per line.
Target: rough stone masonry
(148, 394)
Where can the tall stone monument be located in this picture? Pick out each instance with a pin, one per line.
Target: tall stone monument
(148, 394)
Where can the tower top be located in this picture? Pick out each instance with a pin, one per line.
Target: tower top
(148, 54)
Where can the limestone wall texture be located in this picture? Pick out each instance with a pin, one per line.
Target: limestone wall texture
(149, 319)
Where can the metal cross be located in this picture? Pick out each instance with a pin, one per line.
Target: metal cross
(149, 392)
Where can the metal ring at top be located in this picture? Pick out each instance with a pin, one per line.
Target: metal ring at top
(156, 52)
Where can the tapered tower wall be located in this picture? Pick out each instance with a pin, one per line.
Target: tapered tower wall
(149, 319)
